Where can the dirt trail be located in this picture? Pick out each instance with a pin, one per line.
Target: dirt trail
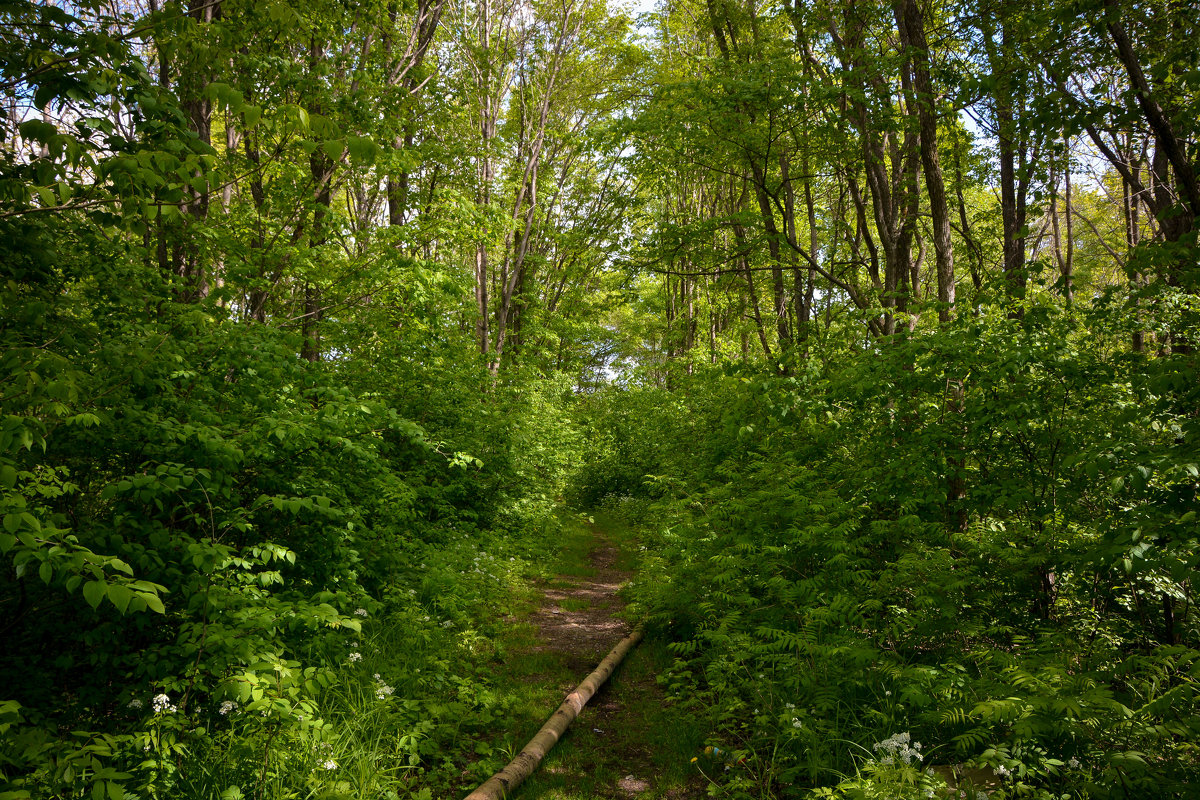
(610, 752)
(579, 616)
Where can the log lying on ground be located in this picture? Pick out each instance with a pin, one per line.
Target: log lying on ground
(508, 779)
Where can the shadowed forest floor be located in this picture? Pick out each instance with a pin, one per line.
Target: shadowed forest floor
(628, 742)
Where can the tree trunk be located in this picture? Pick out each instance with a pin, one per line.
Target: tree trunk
(910, 20)
(504, 782)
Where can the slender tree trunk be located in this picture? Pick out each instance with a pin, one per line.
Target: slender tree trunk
(1068, 266)
(744, 260)
(911, 19)
(198, 108)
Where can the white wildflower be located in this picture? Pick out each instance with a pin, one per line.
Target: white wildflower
(355, 657)
(135, 703)
(329, 764)
(162, 704)
(888, 693)
(382, 691)
(981, 796)
(362, 612)
(1002, 771)
(1074, 763)
(226, 707)
(897, 746)
(796, 723)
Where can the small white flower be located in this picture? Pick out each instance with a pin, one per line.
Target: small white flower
(362, 612)
(896, 746)
(329, 764)
(226, 707)
(888, 693)
(1002, 771)
(162, 704)
(355, 657)
(797, 723)
(789, 705)
(981, 796)
(1074, 763)
(382, 691)
(135, 703)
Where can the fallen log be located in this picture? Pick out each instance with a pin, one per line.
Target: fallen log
(508, 779)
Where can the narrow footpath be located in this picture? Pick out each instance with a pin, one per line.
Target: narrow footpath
(628, 742)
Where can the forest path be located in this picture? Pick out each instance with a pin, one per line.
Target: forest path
(628, 742)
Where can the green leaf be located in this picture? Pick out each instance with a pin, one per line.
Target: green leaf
(8, 476)
(362, 149)
(153, 602)
(93, 592)
(46, 572)
(333, 149)
(120, 596)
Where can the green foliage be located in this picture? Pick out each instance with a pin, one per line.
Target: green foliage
(978, 535)
(264, 501)
(195, 522)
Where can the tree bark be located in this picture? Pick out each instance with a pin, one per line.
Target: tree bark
(911, 21)
(504, 782)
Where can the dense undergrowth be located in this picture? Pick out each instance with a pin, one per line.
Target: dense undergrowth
(241, 574)
(973, 548)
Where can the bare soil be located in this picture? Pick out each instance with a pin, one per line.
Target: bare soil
(579, 616)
